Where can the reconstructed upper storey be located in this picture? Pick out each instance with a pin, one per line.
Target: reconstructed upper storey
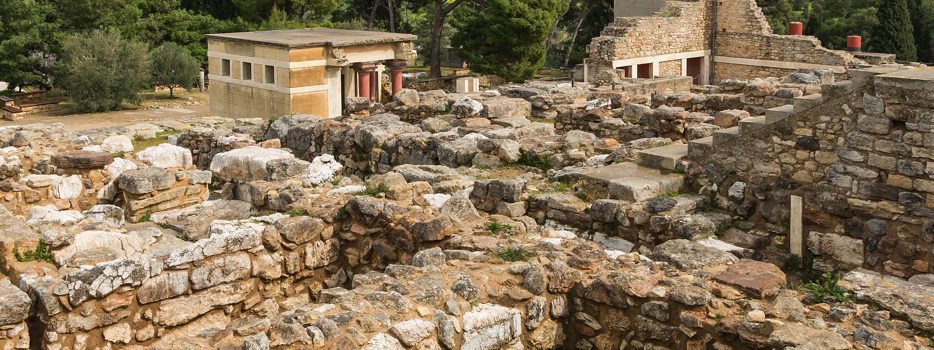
(272, 73)
(679, 38)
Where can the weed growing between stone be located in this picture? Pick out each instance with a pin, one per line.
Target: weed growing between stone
(515, 253)
(498, 228)
(373, 191)
(41, 253)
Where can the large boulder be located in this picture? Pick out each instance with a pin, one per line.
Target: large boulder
(323, 168)
(82, 160)
(165, 156)
(14, 304)
(246, 164)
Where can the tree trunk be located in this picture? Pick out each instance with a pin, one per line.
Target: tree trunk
(392, 17)
(567, 57)
(369, 22)
(551, 35)
(437, 23)
(171, 94)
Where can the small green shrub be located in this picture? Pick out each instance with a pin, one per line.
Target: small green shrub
(374, 190)
(583, 196)
(145, 218)
(341, 214)
(41, 253)
(515, 253)
(296, 213)
(536, 161)
(498, 228)
(668, 194)
(826, 289)
(119, 154)
(336, 180)
(721, 229)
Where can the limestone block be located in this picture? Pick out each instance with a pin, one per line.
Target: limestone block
(166, 285)
(14, 303)
(117, 244)
(49, 214)
(165, 156)
(220, 270)
(179, 311)
(833, 249)
(490, 326)
(410, 332)
(69, 187)
(117, 143)
(322, 169)
(82, 160)
(246, 164)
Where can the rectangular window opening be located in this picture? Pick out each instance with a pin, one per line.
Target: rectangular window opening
(247, 72)
(270, 75)
(225, 68)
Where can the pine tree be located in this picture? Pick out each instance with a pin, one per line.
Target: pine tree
(507, 37)
(894, 32)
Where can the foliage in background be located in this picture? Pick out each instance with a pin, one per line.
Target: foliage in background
(25, 29)
(173, 66)
(101, 70)
(506, 37)
(894, 32)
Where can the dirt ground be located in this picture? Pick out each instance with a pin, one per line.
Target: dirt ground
(156, 106)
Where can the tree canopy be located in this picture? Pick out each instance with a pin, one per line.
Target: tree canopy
(507, 37)
(101, 70)
(173, 66)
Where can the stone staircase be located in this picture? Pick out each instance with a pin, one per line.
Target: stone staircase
(654, 171)
(668, 157)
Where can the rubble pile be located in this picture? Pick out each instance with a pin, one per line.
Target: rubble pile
(437, 221)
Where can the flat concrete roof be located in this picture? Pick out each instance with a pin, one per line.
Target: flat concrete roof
(315, 37)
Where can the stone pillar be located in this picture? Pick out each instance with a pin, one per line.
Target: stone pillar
(364, 73)
(395, 73)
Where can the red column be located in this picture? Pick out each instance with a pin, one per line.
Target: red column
(395, 70)
(854, 43)
(795, 28)
(364, 72)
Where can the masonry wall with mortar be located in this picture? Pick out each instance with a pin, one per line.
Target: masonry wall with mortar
(863, 163)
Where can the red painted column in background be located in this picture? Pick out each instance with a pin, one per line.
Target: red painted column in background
(364, 72)
(395, 72)
(854, 43)
(795, 28)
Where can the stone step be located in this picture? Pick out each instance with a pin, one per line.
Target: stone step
(665, 157)
(751, 123)
(700, 147)
(627, 181)
(726, 135)
(807, 102)
(836, 89)
(778, 113)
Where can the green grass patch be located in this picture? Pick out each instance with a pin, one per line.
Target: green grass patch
(514, 253)
(119, 154)
(145, 218)
(374, 190)
(296, 213)
(499, 228)
(536, 161)
(140, 143)
(583, 196)
(41, 253)
(668, 194)
(721, 229)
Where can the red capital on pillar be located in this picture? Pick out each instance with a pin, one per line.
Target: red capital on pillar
(395, 70)
(364, 72)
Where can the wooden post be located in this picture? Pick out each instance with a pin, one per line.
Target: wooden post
(795, 234)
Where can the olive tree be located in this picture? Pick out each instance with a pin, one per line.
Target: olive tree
(173, 66)
(100, 70)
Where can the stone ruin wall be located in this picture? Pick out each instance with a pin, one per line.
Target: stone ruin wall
(773, 47)
(632, 37)
(741, 16)
(864, 166)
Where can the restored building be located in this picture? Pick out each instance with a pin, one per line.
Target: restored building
(705, 39)
(310, 71)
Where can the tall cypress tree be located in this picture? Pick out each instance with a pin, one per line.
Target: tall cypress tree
(922, 20)
(894, 32)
